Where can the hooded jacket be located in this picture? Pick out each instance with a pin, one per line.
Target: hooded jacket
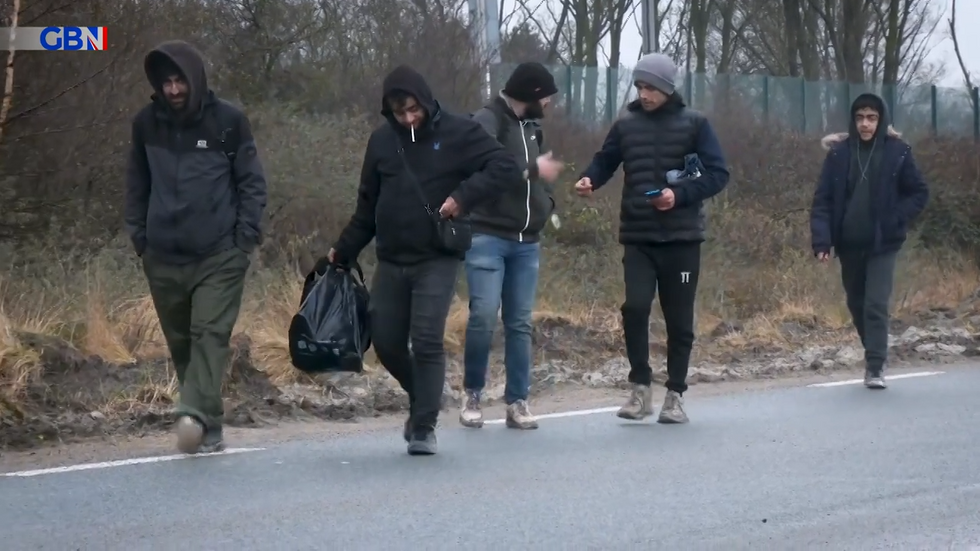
(649, 145)
(448, 156)
(898, 194)
(521, 213)
(186, 199)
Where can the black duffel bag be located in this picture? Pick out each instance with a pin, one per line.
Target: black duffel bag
(331, 331)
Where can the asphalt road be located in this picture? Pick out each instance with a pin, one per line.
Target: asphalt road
(801, 468)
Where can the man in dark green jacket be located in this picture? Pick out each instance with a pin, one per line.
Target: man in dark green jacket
(502, 265)
(195, 196)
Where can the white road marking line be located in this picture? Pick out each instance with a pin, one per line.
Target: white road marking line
(887, 378)
(124, 462)
(575, 413)
(557, 415)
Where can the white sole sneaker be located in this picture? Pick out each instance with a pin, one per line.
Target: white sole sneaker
(471, 423)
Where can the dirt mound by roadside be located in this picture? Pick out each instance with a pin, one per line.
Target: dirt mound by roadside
(76, 396)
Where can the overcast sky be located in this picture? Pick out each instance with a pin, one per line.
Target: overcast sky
(967, 11)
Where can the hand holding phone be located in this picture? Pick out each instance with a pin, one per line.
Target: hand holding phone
(662, 199)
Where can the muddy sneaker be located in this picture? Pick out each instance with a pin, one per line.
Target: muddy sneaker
(212, 442)
(640, 404)
(190, 434)
(471, 415)
(423, 442)
(519, 416)
(874, 379)
(673, 411)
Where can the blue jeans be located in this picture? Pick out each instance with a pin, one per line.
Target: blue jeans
(501, 275)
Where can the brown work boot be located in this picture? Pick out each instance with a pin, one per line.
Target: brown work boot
(673, 411)
(519, 416)
(639, 405)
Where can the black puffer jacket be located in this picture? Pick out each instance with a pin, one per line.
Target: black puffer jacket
(648, 145)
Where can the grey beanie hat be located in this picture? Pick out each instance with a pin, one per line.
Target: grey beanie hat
(657, 70)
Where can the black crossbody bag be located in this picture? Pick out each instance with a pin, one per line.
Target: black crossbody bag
(451, 236)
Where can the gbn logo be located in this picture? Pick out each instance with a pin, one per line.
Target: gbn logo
(73, 38)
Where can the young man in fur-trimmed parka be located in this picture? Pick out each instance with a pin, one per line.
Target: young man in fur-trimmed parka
(870, 191)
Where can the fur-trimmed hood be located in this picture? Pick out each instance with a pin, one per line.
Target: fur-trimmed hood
(830, 140)
(864, 101)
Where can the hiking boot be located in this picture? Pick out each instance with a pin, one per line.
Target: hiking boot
(519, 416)
(639, 406)
(423, 442)
(874, 379)
(471, 415)
(672, 412)
(212, 442)
(190, 434)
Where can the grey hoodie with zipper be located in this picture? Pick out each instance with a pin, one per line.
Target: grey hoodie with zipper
(522, 212)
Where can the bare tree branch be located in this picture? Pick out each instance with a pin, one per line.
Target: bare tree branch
(967, 78)
(30, 110)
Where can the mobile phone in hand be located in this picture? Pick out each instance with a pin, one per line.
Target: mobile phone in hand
(655, 193)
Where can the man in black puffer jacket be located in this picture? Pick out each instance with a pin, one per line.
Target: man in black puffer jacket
(458, 166)
(661, 224)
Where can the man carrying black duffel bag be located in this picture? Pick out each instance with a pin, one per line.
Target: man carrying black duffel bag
(423, 170)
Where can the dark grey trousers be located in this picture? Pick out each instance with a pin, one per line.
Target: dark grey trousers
(868, 281)
(412, 302)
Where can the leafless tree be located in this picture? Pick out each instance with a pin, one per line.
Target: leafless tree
(8, 83)
(967, 77)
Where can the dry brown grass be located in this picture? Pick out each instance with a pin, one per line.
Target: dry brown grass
(19, 366)
(757, 268)
(801, 291)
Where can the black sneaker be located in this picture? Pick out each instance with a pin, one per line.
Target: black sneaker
(213, 441)
(407, 432)
(423, 442)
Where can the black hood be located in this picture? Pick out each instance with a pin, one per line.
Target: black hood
(674, 104)
(875, 102)
(405, 79)
(186, 58)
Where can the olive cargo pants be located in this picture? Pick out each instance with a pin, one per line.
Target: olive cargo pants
(198, 305)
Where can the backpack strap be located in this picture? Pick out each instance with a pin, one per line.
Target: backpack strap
(503, 125)
(503, 128)
(222, 128)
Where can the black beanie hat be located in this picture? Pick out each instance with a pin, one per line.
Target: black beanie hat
(530, 82)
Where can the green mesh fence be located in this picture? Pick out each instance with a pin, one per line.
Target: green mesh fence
(596, 96)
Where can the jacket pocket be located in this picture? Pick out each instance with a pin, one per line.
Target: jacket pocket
(893, 228)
